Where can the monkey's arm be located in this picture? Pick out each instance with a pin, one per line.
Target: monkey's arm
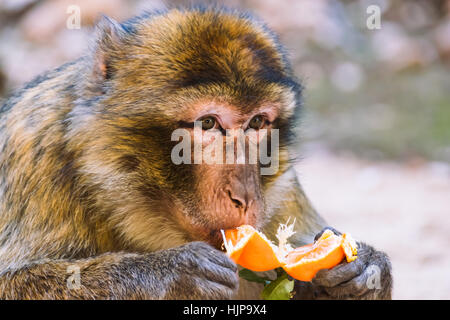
(191, 271)
(368, 277)
(107, 276)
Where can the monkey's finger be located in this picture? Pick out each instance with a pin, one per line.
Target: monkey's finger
(345, 271)
(213, 290)
(374, 282)
(339, 274)
(222, 276)
(219, 274)
(354, 288)
(222, 260)
(336, 232)
(204, 250)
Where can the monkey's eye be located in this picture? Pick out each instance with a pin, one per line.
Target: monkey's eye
(256, 122)
(208, 123)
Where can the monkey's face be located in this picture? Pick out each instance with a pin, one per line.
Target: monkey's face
(167, 73)
(202, 170)
(220, 153)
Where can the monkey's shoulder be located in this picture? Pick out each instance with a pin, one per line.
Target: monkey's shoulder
(48, 90)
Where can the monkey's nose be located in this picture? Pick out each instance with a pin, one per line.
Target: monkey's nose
(240, 199)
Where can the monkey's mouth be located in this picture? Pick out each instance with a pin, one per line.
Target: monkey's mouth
(206, 225)
(216, 240)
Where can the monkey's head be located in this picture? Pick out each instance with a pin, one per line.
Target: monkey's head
(155, 74)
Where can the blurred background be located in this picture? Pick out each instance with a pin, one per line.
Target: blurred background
(375, 133)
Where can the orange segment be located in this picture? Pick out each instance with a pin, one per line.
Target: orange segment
(259, 255)
(304, 262)
(237, 239)
(349, 247)
(251, 249)
(298, 253)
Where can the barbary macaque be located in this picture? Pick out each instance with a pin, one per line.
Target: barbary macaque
(87, 180)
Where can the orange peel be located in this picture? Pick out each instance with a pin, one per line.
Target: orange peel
(252, 250)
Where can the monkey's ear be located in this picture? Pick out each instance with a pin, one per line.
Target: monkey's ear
(108, 47)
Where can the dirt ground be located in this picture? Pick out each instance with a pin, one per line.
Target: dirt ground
(402, 209)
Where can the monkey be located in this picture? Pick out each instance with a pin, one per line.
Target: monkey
(87, 182)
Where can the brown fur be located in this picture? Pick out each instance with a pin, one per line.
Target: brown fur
(85, 170)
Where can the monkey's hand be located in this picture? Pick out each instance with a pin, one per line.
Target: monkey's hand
(198, 271)
(191, 271)
(368, 277)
